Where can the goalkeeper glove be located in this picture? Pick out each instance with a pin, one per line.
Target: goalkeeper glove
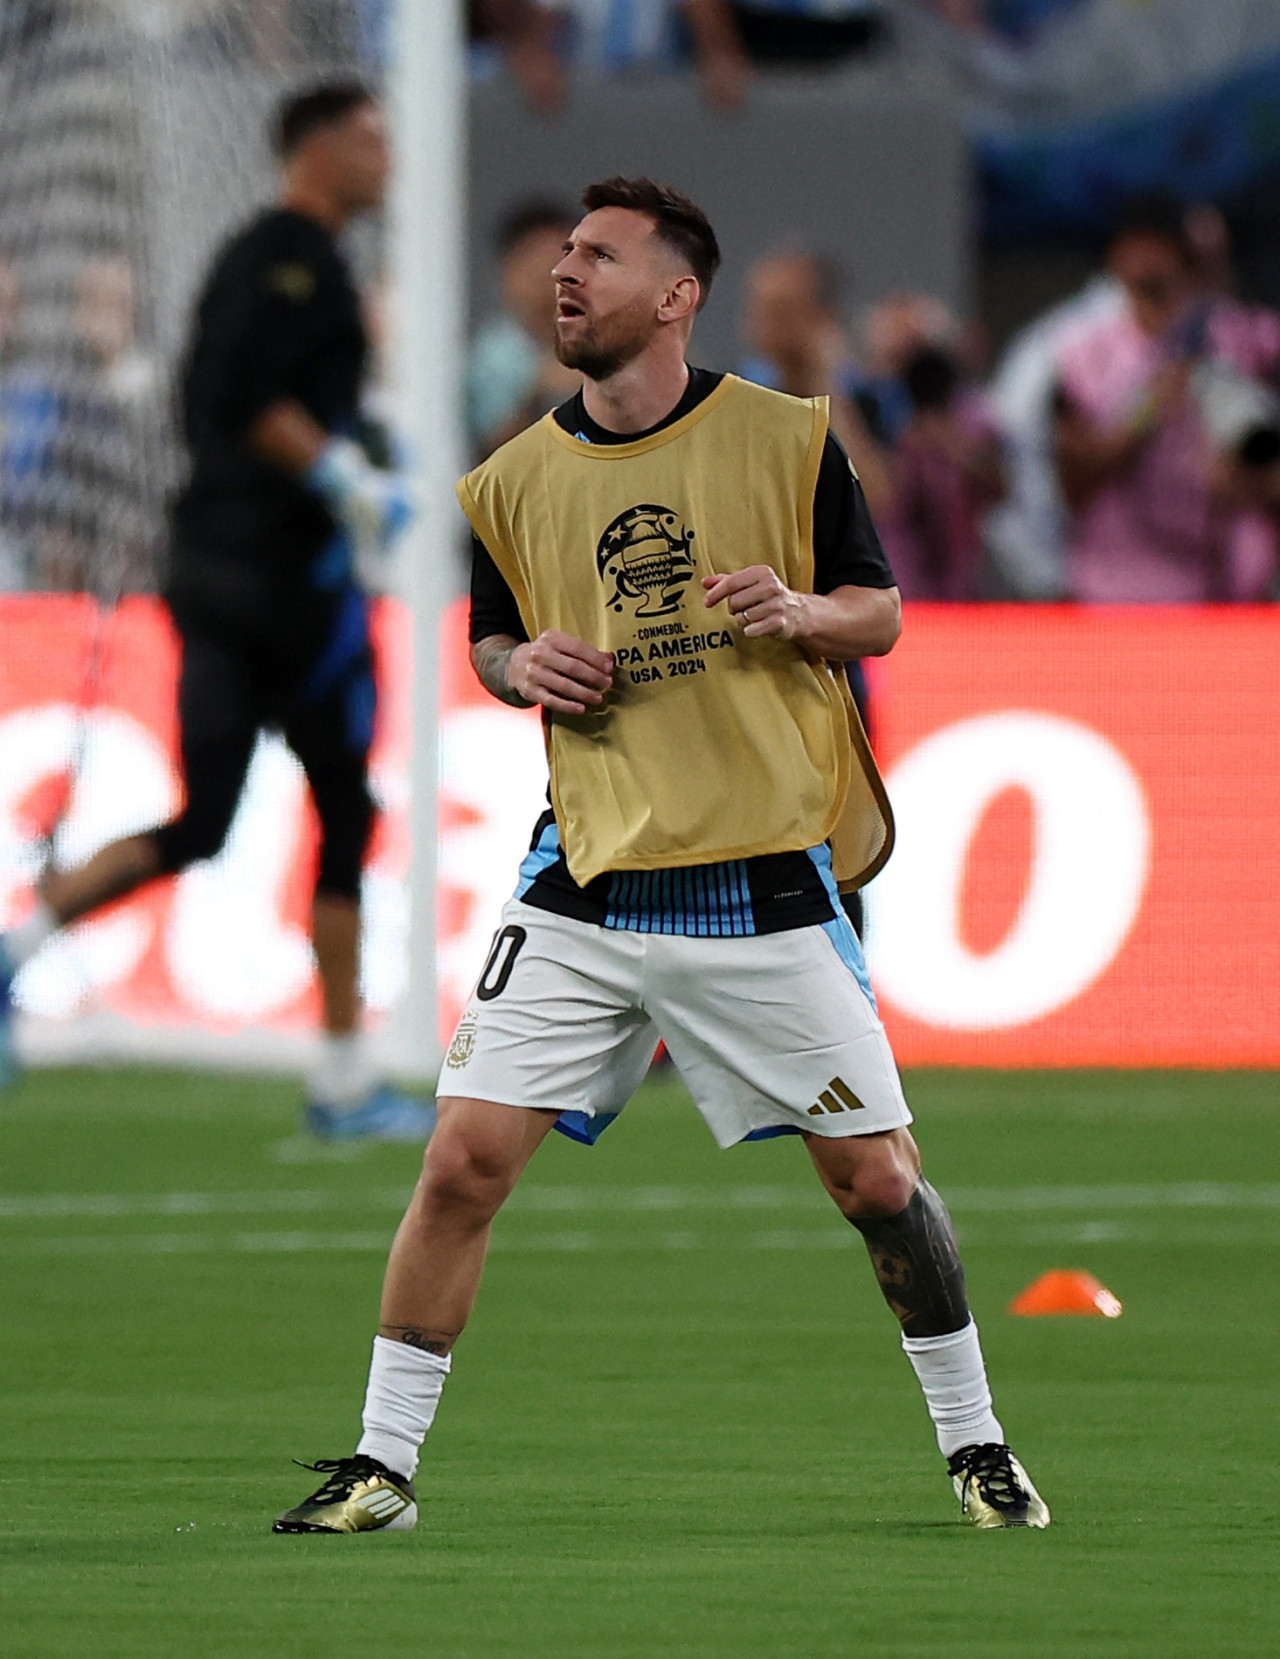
(372, 504)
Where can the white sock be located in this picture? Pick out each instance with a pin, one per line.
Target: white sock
(400, 1403)
(954, 1379)
(22, 942)
(344, 1072)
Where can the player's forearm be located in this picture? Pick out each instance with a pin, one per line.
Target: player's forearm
(286, 436)
(850, 623)
(491, 659)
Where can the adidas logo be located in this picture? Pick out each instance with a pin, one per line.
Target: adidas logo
(836, 1097)
(382, 1503)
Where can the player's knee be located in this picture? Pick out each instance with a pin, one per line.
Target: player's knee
(872, 1176)
(346, 826)
(461, 1173)
(189, 839)
(341, 863)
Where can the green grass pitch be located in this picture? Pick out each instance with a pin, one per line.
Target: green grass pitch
(680, 1423)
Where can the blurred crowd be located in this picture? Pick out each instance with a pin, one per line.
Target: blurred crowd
(1124, 448)
(728, 42)
(86, 453)
(543, 41)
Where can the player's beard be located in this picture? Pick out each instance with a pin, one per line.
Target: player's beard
(601, 349)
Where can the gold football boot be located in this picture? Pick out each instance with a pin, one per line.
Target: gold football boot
(360, 1495)
(994, 1489)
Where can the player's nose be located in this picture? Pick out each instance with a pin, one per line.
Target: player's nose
(569, 267)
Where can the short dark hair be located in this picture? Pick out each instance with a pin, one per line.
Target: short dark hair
(526, 217)
(1159, 216)
(677, 221)
(306, 112)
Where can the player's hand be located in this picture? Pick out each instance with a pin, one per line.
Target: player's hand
(760, 597)
(560, 673)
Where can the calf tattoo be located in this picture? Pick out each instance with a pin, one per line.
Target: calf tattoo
(431, 1342)
(917, 1261)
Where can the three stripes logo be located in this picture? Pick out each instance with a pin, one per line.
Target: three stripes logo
(836, 1097)
(383, 1503)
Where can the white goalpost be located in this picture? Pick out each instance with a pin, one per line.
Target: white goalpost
(428, 239)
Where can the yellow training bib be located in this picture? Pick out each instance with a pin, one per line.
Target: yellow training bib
(712, 746)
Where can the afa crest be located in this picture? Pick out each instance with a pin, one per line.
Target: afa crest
(463, 1044)
(645, 555)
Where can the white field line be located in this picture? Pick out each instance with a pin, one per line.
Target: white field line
(1199, 1195)
(97, 1205)
(828, 1237)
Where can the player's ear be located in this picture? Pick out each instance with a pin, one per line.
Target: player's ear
(680, 300)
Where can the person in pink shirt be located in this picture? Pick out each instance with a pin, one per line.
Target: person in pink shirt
(1161, 411)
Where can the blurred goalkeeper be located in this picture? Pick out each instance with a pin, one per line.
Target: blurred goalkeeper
(283, 527)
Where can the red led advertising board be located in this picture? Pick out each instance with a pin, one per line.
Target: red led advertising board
(1088, 807)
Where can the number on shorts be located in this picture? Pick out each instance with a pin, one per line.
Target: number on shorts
(502, 958)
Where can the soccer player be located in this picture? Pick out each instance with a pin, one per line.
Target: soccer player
(670, 563)
(283, 520)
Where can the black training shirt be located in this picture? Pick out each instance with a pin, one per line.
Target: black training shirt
(279, 317)
(846, 548)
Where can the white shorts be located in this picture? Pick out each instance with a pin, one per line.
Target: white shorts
(772, 1033)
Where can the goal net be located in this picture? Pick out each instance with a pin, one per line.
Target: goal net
(133, 136)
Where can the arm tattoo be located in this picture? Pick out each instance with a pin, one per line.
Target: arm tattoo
(431, 1342)
(491, 658)
(917, 1261)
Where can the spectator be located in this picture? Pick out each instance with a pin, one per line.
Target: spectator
(1161, 416)
(514, 376)
(524, 33)
(118, 461)
(106, 327)
(947, 472)
(87, 463)
(794, 325)
(810, 34)
(612, 36)
(893, 331)
(1026, 534)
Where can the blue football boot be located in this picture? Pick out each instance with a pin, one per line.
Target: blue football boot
(385, 1114)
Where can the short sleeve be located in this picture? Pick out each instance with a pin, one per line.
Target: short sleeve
(846, 545)
(493, 605)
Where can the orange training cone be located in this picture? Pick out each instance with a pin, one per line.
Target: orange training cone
(1067, 1290)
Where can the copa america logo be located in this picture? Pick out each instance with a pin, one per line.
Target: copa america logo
(645, 554)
